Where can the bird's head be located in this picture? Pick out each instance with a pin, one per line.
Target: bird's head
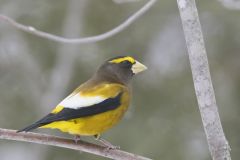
(120, 69)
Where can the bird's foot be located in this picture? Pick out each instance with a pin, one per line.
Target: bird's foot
(77, 138)
(106, 144)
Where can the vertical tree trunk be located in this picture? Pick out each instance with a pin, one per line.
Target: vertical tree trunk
(63, 69)
(217, 142)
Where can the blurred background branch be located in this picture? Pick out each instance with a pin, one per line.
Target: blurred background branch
(91, 39)
(70, 144)
(63, 69)
(231, 4)
(125, 1)
(218, 145)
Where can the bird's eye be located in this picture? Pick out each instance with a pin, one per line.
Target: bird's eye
(126, 64)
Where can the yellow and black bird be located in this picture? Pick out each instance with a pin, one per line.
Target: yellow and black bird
(96, 105)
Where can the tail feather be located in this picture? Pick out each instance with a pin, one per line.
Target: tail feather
(41, 122)
(31, 127)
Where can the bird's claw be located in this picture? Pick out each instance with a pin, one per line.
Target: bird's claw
(77, 138)
(111, 147)
(106, 144)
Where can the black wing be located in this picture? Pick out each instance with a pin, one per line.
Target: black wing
(68, 113)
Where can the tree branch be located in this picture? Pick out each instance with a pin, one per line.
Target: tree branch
(69, 143)
(217, 142)
(121, 27)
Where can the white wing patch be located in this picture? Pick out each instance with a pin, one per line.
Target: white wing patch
(77, 101)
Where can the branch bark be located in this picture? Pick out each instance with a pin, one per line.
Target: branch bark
(121, 27)
(217, 142)
(69, 143)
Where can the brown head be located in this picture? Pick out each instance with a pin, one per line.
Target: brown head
(120, 69)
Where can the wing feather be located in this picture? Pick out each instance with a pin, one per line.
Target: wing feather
(68, 113)
(76, 101)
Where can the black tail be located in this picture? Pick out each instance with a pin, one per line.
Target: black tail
(31, 127)
(37, 124)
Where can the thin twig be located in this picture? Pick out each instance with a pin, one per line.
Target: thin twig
(91, 39)
(70, 144)
(217, 142)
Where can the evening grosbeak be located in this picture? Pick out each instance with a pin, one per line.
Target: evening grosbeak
(96, 105)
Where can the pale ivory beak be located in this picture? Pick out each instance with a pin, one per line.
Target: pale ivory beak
(138, 67)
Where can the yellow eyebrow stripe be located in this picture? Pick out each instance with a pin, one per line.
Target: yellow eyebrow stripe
(119, 60)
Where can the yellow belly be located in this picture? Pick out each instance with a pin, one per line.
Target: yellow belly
(91, 125)
(95, 124)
